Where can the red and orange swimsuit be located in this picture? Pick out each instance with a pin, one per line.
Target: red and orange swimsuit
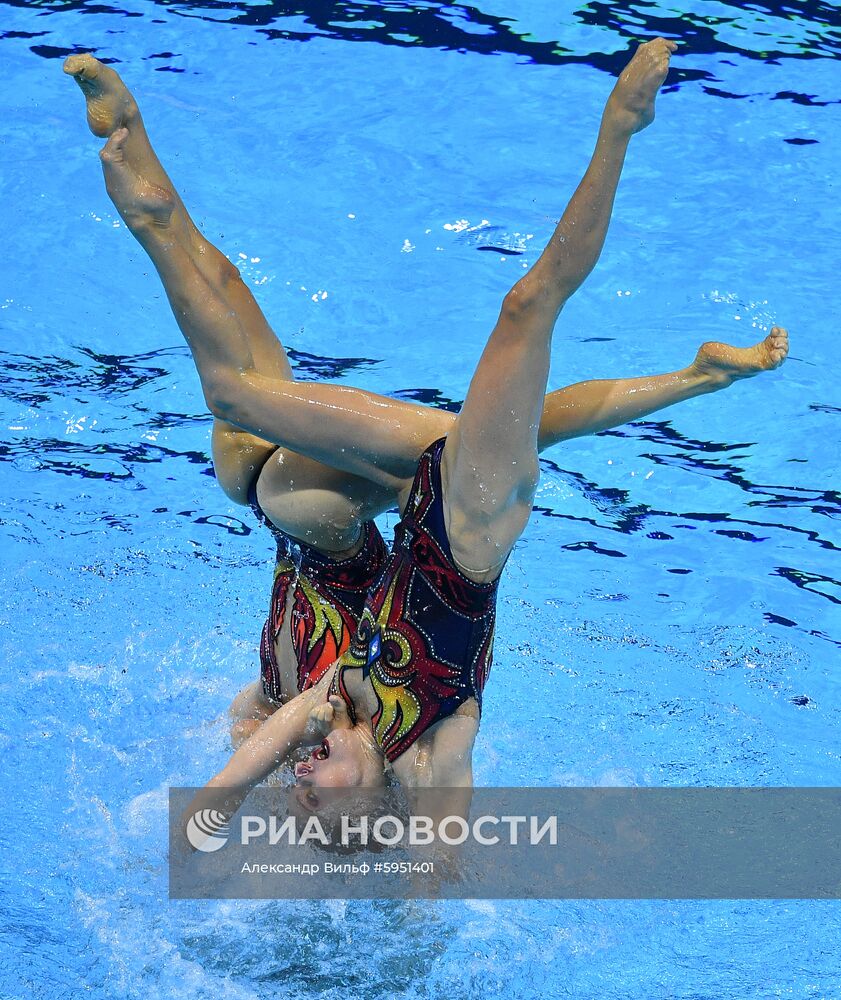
(328, 600)
(425, 637)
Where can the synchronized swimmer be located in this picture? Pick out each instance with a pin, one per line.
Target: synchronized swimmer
(377, 657)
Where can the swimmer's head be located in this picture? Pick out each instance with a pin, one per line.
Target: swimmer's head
(347, 757)
(346, 817)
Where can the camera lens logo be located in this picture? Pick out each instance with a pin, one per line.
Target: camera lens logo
(207, 830)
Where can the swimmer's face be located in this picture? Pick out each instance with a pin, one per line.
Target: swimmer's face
(340, 761)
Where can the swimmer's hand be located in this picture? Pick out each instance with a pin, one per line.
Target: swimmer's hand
(329, 715)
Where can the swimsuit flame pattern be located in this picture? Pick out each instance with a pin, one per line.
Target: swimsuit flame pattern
(425, 638)
(328, 600)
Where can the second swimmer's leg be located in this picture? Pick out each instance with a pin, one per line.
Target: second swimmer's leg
(490, 464)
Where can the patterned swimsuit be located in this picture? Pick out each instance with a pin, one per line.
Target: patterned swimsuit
(425, 638)
(329, 597)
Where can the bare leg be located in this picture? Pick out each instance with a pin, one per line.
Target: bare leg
(593, 406)
(155, 214)
(152, 207)
(490, 465)
(111, 106)
(217, 313)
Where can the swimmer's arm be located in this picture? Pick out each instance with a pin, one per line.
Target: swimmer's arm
(451, 763)
(279, 736)
(443, 786)
(271, 745)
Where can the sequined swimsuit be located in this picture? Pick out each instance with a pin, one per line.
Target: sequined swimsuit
(328, 600)
(425, 638)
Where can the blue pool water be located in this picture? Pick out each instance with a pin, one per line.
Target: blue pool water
(671, 616)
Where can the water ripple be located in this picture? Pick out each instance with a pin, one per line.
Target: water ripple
(767, 32)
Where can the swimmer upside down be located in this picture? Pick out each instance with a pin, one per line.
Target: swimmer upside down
(377, 658)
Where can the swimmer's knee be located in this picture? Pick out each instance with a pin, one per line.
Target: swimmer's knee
(226, 393)
(532, 298)
(524, 298)
(251, 704)
(227, 273)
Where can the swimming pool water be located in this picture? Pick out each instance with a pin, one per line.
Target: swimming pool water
(671, 614)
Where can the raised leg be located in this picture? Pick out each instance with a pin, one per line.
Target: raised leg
(111, 106)
(155, 214)
(490, 465)
(153, 211)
